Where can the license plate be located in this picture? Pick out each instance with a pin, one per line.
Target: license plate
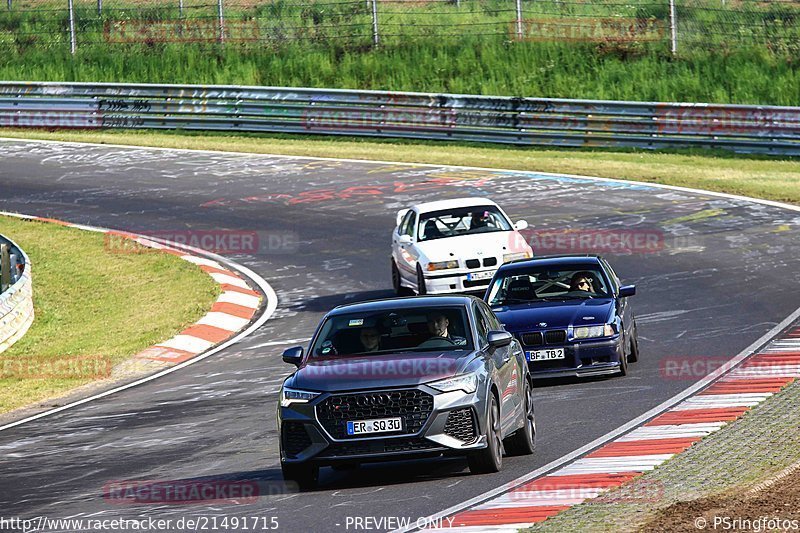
(379, 425)
(545, 355)
(475, 276)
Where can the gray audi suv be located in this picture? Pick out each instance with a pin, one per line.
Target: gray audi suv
(405, 378)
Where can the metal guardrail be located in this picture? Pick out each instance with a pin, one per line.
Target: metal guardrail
(16, 301)
(523, 121)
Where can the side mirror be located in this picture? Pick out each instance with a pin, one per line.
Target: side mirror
(405, 240)
(627, 290)
(521, 224)
(498, 339)
(293, 356)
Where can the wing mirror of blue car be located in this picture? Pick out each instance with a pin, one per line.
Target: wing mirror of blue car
(627, 290)
(405, 239)
(293, 356)
(521, 224)
(498, 339)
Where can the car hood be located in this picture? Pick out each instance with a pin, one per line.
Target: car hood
(391, 370)
(530, 316)
(493, 244)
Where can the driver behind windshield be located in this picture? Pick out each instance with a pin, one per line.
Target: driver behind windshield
(438, 325)
(480, 219)
(370, 339)
(581, 281)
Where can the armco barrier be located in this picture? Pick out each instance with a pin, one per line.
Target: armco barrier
(524, 121)
(16, 302)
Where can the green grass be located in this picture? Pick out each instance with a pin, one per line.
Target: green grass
(91, 301)
(426, 46)
(759, 177)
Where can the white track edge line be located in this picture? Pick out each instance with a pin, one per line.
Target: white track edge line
(632, 424)
(269, 293)
(761, 201)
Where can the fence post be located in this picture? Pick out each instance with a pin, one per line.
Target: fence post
(99, 8)
(673, 28)
(5, 268)
(72, 44)
(519, 19)
(180, 8)
(221, 21)
(375, 22)
(9, 5)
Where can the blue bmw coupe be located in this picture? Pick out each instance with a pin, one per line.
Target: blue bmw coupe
(570, 313)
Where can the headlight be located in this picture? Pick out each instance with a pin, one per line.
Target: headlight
(466, 382)
(516, 256)
(290, 396)
(442, 265)
(593, 331)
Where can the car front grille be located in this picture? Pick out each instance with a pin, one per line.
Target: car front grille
(295, 438)
(533, 338)
(461, 425)
(412, 405)
(490, 261)
(473, 263)
(555, 336)
(378, 447)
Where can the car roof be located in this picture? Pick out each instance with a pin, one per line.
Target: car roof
(451, 204)
(551, 260)
(390, 304)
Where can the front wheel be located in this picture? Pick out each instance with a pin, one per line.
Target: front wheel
(305, 475)
(421, 288)
(489, 459)
(634, 355)
(522, 442)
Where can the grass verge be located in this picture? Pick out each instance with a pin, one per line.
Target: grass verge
(93, 303)
(696, 483)
(758, 177)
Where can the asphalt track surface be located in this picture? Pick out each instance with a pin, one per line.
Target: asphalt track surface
(724, 273)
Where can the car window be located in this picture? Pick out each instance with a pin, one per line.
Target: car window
(419, 329)
(541, 283)
(494, 323)
(405, 224)
(613, 275)
(482, 326)
(462, 221)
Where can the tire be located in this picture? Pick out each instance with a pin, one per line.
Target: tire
(633, 356)
(623, 363)
(421, 288)
(522, 441)
(489, 459)
(396, 285)
(306, 475)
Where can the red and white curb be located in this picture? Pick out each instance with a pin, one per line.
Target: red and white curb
(229, 320)
(743, 384)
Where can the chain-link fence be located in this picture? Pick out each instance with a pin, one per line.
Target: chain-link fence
(678, 25)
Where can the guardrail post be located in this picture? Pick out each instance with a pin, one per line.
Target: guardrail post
(519, 19)
(220, 12)
(5, 268)
(673, 28)
(9, 5)
(72, 44)
(99, 8)
(375, 38)
(180, 8)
